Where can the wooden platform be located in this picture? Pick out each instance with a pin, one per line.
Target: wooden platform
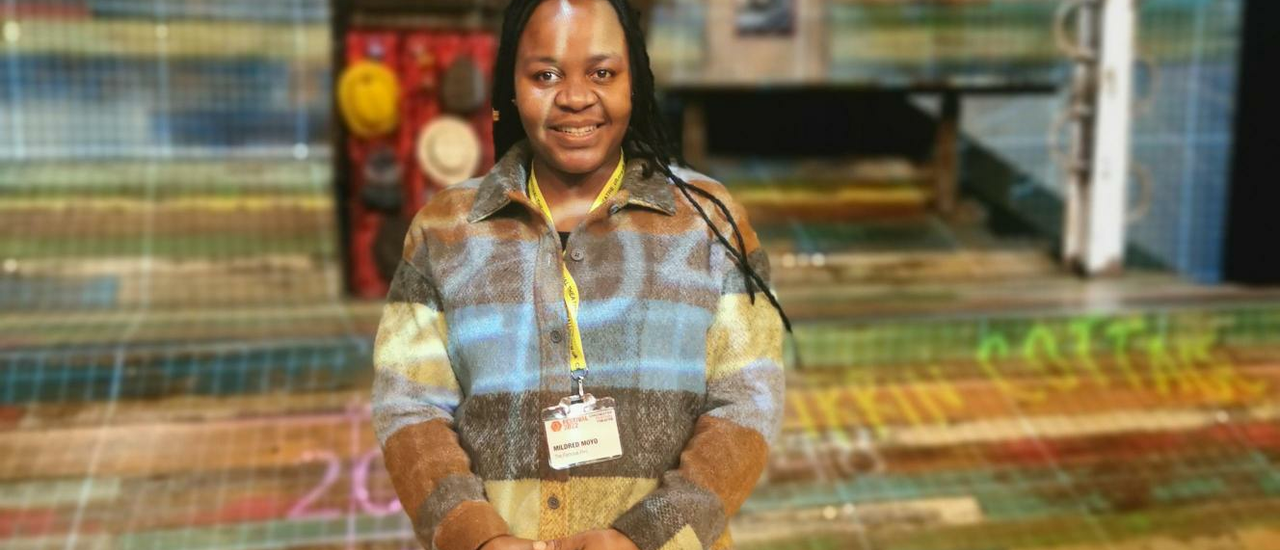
(181, 372)
(953, 410)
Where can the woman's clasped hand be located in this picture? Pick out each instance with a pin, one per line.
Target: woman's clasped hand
(599, 539)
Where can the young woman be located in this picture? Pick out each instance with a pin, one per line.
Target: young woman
(579, 350)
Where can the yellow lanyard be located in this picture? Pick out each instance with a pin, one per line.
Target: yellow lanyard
(577, 361)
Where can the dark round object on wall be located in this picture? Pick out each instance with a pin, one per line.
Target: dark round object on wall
(388, 245)
(382, 189)
(462, 89)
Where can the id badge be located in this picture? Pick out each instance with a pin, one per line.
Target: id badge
(581, 432)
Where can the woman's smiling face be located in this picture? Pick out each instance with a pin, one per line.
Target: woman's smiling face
(573, 84)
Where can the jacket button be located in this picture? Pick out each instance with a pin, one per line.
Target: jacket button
(577, 255)
(553, 502)
(556, 336)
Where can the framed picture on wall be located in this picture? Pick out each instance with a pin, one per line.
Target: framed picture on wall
(765, 17)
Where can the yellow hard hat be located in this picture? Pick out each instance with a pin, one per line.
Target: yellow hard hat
(369, 98)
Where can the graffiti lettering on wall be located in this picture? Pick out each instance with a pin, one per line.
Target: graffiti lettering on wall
(1131, 362)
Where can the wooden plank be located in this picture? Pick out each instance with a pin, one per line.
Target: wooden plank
(172, 447)
(779, 205)
(92, 179)
(322, 485)
(309, 43)
(101, 218)
(148, 283)
(85, 541)
(934, 402)
(833, 536)
(1079, 425)
(275, 534)
(920, 514)
(1036, 296)
(1185, 523)
(186, 204)
(322, 488)
(134, 266)
(189, 247)
(861, 342)
(1021, 496)
(181, 408)
(141, 371)
(59, 331)
(1156, 446)
(796, 277)
(1249, 538)
(49, 494)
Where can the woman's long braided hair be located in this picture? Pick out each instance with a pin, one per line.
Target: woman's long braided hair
(647, 137)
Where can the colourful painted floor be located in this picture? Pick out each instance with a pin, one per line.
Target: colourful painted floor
(172, 384)
(1024, 413)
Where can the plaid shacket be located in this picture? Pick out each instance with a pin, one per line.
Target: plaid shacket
(472, 346)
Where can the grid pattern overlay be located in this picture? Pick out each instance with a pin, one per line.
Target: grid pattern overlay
(178, 369)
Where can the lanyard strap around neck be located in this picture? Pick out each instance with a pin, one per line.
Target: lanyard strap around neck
(577, 359)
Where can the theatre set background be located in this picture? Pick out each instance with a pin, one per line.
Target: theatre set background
(1013, 236)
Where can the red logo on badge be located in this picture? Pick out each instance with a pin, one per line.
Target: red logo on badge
(555, 425)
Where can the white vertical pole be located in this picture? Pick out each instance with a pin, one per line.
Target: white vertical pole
(1105, 196)
(1084, 56)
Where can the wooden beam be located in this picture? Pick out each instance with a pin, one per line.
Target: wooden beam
(946, 155)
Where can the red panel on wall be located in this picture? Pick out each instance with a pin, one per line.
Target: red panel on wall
(420, 60)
